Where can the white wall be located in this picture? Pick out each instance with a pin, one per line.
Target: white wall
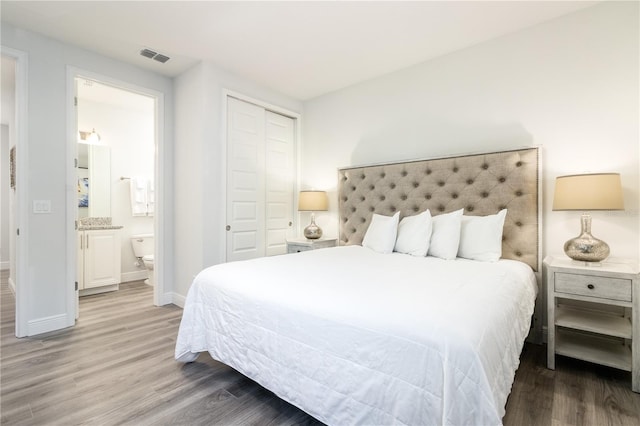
(129, 133)
(46, 281)
(200, 206)
(569, 85)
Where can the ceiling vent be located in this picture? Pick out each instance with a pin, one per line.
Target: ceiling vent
(148, 53)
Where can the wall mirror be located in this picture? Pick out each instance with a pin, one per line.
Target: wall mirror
(94, 180)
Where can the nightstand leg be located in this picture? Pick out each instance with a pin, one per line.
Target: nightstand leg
(635, 342)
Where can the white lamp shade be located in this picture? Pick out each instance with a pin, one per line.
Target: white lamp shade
(313, 201)
(602, 191)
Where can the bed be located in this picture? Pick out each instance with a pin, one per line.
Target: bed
(354, 336)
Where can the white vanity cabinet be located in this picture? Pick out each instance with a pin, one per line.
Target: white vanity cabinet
(99, 264)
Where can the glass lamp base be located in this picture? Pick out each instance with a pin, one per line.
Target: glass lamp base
(312, 232)
(586, 247)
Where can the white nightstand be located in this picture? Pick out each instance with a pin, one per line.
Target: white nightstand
(594, 313)
(296, 245)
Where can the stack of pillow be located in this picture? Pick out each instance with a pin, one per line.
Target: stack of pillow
(446, 236)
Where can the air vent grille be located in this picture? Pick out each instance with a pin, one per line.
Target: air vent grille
(148, 53)
(161, 58)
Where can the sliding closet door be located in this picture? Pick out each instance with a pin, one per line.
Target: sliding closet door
(245, 180)
(260, 180)
(279, 182)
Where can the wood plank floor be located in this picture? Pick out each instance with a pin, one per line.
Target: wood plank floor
(116, 367)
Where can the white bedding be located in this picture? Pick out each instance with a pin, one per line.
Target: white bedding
(355, 337)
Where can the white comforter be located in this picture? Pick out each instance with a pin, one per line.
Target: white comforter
(355, 337)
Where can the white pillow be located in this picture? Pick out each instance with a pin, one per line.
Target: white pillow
(445, 235)
(414, 233)
(481, 237)
(381, 234)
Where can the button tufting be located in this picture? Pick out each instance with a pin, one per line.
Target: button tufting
(469, 181)
(353, 188)
(440, 208)
(404, 173)
(428, 196)
(441, 183)
(403, 197)
(362, 198)
(519, 193)
(344, 198)
(455, 170)
(518, 223)
(502, 208)
(372, 209)
(416, 184)
(519, 163)
(416, 208)
(485, 194)
(363, 220)
(382, 198)
(428, 171)
(362, 176)
(371, 187)
(392, 185)
(519, 254)
(469, 208)
(501, 179)
(353, 209)
(382, 175)
(485, 166)
(392, 208)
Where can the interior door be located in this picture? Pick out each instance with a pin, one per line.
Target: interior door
(279, 182)
(245, 180)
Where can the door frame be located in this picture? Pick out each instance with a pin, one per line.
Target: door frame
(226, 94)
(21, 217)
(158, 218)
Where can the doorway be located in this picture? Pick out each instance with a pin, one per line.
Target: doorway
(119, 127)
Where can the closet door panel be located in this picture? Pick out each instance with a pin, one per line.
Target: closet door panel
(280, 181)
(245, 180)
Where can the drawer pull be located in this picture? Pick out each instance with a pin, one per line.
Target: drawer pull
(590, 286)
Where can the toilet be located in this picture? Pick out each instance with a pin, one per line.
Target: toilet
(143, 245)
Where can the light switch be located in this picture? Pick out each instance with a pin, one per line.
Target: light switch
(42, 206)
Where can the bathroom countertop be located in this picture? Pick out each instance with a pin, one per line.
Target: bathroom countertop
(97, 227)
(96, 223)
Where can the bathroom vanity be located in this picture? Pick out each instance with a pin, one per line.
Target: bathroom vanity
(98, 264)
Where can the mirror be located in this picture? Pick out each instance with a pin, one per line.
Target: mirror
(94, 180)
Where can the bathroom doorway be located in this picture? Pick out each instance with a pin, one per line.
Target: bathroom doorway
(116, 131)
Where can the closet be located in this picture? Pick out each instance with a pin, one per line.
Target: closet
(261, 147)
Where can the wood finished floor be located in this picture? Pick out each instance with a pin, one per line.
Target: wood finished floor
(116, 367)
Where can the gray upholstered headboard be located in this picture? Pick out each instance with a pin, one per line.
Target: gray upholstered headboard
(482, 184)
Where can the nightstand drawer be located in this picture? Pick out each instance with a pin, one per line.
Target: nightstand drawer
(594, 286)
(296, 248)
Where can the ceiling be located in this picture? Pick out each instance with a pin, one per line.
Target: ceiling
(301, 49)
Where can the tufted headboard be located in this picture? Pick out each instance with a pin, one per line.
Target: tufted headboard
(482, 184)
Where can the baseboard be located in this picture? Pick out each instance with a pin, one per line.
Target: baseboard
(4, 266)
(46, 324)
(176, 299)
(126, 277)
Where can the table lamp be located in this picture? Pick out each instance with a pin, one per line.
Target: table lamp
(600, 191)
(312, 201)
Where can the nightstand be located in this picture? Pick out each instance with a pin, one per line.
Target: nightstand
(296, 245)
(594, 313)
